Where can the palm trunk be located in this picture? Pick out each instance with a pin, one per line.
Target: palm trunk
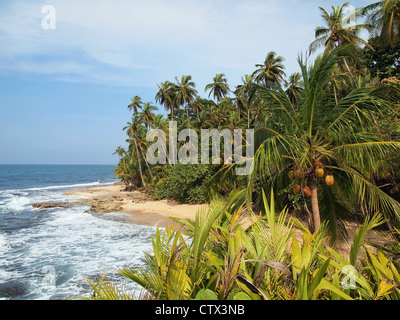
(350, 73)
(145, 160)
(140, 167)
(187, 115)
(334, 90)
(315, 205)
(166, 109)
(348, 68)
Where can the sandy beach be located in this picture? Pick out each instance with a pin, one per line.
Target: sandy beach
(140, 207)
(143, 210)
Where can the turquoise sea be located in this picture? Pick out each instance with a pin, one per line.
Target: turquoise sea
(46, 254)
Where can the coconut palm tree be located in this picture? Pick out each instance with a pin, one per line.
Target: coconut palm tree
(120, 151)
(136, 103)
(161, 123)
(332, 147)
(147, 115)
(165, 95)
(242, 97)
(337, 30)
(219, 88)
(136, 134)
(384, 18)
(197, 105)
(294, 87)
(271, 71)
(186, 93)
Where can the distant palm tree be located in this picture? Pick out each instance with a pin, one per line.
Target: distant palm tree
(161, 123)
(384, 17)
(294, 87)
(186, 93)
(197, 105)
(135, 132)
(242, 96)
(204, 121)
(136, 103)
(337, 30)
(339, 81)
(120, 151)
(219, 88)
(147, 116)
(271, 71)
(165, 95)
(173, 92)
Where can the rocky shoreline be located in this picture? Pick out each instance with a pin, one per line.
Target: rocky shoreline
(102, 203)
(139, 206)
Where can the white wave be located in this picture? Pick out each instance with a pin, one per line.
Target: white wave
(74, 244)
(79, 185)
(18, 203)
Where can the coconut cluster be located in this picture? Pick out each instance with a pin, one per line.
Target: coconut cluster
(319, 173)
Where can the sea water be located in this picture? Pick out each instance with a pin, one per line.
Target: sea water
(46, 254)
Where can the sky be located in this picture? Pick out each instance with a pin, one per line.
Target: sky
(69, 68)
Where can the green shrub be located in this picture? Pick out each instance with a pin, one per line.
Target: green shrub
(185, 183)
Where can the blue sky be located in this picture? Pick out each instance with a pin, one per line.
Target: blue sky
(64, 92)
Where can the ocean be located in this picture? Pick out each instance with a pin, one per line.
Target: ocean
(46, 254)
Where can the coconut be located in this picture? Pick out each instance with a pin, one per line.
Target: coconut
(319, 173)
(329, 180)
(307, 191)
(298, 174)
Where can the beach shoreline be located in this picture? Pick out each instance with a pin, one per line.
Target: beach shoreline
(141, 209)
(139, 206)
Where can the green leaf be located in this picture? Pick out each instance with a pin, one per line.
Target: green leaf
(206, 294)
(324, 284)
(241, 296)
(318, 277)
(215, 261)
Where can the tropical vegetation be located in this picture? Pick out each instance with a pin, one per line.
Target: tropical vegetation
(327, 151)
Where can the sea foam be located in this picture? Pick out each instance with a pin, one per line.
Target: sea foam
(17, 203)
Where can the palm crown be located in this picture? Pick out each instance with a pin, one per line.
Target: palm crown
(271, 71)
(337, 30)
(219, 88)
(384, 19)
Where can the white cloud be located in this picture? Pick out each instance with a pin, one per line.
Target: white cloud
(129, 41)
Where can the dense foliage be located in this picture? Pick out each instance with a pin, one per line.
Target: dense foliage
(185, 183)
(327, 142)
(222, 260)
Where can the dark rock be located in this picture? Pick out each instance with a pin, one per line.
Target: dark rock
(12, 289)
(47, 205)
